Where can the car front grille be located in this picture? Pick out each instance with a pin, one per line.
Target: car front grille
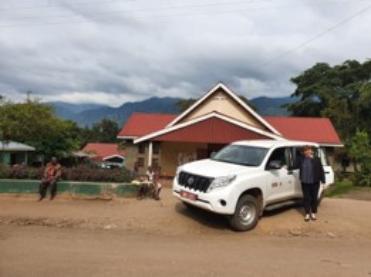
(193, 181)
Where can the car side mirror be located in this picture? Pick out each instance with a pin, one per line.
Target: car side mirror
(275, 164)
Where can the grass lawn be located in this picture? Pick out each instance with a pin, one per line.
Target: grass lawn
(346, 189)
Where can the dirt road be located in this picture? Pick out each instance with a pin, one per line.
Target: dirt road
(140, 238)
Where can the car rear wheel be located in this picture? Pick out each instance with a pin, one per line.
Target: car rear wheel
(246, 215)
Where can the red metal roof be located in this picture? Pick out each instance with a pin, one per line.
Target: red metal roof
(313, 129)
(140, 124)
(103, 150)
(213, 130)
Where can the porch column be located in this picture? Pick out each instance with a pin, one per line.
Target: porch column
(150, 153)
(26, 158)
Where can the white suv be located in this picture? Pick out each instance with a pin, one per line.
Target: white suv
(245, 178)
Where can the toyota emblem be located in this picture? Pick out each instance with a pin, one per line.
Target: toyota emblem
(190, 181)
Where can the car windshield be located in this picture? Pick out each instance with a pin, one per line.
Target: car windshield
(241, 154)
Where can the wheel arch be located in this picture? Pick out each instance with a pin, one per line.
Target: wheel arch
(258, 194)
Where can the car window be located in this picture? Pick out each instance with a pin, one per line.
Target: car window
(280, 154)
(241, 154)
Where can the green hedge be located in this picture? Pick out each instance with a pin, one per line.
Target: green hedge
(72, 188)
(89, 173)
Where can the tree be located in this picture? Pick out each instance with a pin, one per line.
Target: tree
(360, 151)
(35, 124)
(104, 131)
(341, 92)
(184, 104)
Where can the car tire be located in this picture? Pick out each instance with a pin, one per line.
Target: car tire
(246, 215)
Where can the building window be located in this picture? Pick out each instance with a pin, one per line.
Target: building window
(156, 148)
(155, 163)
(141, 148)
(140, 162)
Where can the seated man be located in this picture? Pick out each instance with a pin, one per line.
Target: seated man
(52, 173)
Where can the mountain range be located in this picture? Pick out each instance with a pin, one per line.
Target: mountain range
(88, 114)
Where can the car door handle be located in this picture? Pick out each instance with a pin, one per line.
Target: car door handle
(290, 172)
(327, 172)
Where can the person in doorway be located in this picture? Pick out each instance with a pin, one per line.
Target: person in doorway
(52, 174)
(311, 175)
(153, 175)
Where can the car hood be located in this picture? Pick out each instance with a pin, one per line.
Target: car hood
(211, 168)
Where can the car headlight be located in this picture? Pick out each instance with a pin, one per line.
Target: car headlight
(221, 182)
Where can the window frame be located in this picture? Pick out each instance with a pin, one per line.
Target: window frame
(287, 157)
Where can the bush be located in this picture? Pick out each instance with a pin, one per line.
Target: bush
(78, 173)
(361, 153)
(96, 174)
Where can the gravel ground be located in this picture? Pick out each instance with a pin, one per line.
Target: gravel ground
(127, 237)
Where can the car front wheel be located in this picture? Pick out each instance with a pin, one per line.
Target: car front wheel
(246, 215)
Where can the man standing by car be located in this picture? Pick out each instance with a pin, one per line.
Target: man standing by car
(52, 173)
(311, 174)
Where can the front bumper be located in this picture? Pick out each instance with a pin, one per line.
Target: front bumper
(216, 201)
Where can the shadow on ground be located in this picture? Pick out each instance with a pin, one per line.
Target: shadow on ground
(205, 218)
(220, 222)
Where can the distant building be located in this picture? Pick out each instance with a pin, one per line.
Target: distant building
(105, 154)
(216, 119)
(12, 153)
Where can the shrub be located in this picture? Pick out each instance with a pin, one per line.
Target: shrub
(78, 173)
(361, 153)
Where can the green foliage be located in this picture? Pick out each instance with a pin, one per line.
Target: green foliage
(77, 173)
(184, 104)
(341, 92)
(35, 124)
(104, 131)
(360, 151)
(339, 188)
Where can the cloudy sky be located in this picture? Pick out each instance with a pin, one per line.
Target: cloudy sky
(112, 51)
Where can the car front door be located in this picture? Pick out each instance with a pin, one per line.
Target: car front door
(281, 181)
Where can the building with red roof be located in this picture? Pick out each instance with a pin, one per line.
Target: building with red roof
(216, 119)
(106, 154)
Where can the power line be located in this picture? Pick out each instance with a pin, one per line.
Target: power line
(126, 11)
(59, 5)
(123, 11)
(319, 35)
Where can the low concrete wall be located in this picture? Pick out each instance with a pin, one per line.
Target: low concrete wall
(104, 190)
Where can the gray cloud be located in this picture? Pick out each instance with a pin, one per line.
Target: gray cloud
(114, 51)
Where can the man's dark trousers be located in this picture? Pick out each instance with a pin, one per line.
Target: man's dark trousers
(310, 194)
(44, 187)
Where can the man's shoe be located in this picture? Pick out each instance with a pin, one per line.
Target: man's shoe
(40, 199)
(313, 216)
(306, 218)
